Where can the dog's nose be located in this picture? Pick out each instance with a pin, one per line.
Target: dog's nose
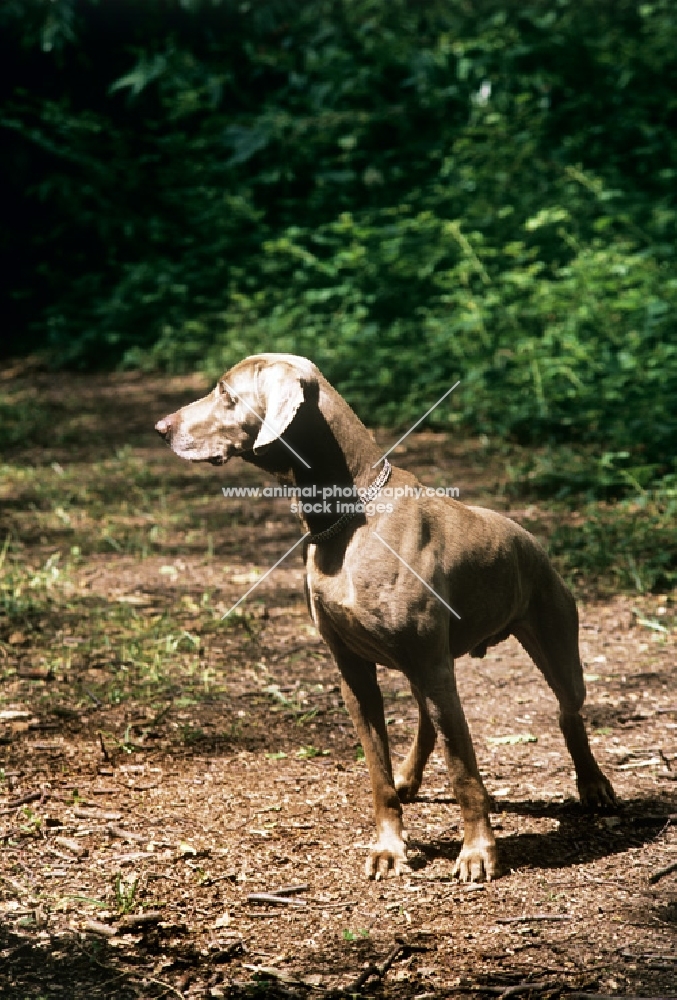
(164, 426)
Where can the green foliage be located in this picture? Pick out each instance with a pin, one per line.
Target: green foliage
(24, 592)
(22, 418)
(406, 193)
(629, 545)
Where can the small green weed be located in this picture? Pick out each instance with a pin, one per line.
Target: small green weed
(349, 935)
(32, 821)
(191, 734)
(308, 752)
(125, 888)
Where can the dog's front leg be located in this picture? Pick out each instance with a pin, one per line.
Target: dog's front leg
(364, 702)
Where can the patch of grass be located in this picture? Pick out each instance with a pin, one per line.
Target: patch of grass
(565, 473)
(616, 515)
(27, 592)
(23, 420)
(111, 650)
(628, 545)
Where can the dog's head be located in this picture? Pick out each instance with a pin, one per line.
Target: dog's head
(251, 406)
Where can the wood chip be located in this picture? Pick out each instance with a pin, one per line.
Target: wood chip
(76, 848)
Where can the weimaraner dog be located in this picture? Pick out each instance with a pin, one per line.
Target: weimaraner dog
(410, 584)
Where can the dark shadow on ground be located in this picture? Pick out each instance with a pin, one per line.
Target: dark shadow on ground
(40, 967)
(581, 837)
(37, 966)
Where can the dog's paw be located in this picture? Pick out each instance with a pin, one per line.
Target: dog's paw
(597, 793)
(477, 862)
(382, 861)
(388, 854)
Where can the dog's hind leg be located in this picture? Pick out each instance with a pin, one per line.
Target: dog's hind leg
(410, 773)
(437, 685)
(549, 633)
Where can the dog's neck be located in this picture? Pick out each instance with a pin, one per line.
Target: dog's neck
(337, 451)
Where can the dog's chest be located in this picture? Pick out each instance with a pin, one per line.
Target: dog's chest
(334, 596)
(336, 592)
(354, 603)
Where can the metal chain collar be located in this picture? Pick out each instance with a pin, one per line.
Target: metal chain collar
(369, 494)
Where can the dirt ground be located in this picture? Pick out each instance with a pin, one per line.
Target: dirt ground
(161, 767)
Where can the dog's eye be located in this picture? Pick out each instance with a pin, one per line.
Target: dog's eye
(226, 397)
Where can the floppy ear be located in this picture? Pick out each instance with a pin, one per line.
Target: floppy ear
(283, 392)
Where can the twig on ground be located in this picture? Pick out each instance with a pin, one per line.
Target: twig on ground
(21, 801)
(271, 897)
(376, 970)
(35, 675)
(96, 927)
(19, 889)
(528, 917)
(128, 859)
(607, 996)
(139, 919)
(90, 812)
(11, 834)
(104, 752)
(523, 987)
(508, 991)
(117, 831)
(167, 987)
(278, 974)
(60, 855)
(90, 694)
(290, 890)
(296, 648)
(662, 872)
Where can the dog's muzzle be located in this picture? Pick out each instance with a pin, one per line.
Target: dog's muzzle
(165, 427)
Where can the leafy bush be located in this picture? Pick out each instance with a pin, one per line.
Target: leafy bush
(407, 193)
